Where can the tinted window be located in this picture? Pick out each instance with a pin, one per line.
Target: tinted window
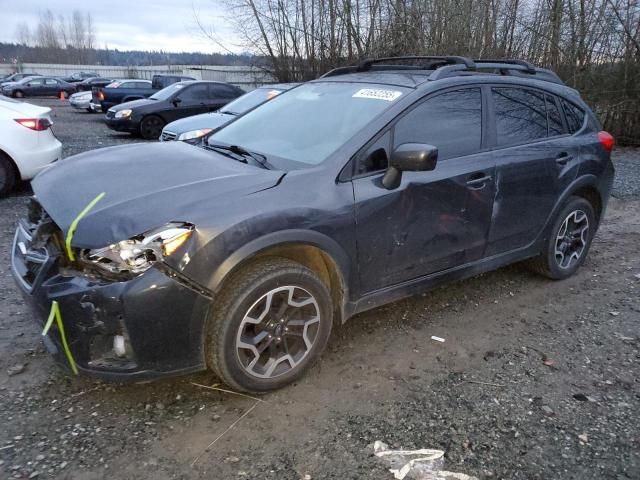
(195, 92)
(520, 115)
(375, 157)
(223, 91)
(51, 81)
(128, 85)
(574, 116)
(36, 81)
(143, 84)
(554, 118)
(451, 121)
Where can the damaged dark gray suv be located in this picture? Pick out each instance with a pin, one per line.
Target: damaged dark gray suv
(360, 188)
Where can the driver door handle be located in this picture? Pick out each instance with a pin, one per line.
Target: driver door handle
(478, 180)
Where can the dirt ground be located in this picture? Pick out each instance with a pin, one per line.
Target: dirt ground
(535, 380)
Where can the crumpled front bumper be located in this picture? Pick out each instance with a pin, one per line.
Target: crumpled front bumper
(161, 318)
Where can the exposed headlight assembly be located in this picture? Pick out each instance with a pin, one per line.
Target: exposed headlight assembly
(193, 134)
(139, 253)
(126, 113)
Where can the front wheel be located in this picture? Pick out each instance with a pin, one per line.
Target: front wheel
(151, 127)
(18, 94)
(269, 324)
(569, 241)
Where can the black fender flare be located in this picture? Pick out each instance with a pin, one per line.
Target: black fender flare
(280, 238)
(588, 180)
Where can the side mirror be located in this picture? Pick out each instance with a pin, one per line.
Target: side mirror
(410, 157)
(176, 101)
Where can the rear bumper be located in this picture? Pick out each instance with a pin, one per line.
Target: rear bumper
(80, 105)
(161, 320)
(42, 149)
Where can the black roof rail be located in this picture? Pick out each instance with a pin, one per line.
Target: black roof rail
(510, 61)
(451, 65)
(366, 64)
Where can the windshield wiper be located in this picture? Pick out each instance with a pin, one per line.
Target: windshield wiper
(238, 150)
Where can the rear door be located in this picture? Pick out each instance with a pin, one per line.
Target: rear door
(51, 87)
(434, 220)
(532, 152)
(219, 96)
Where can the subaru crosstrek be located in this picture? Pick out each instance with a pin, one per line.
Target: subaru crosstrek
(365, 186)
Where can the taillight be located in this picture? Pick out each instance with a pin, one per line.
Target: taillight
(37, 124)
(606, 140)
(101, 95)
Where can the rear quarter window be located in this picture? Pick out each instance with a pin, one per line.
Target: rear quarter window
(574, 115)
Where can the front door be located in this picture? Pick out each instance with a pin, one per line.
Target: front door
(434, 220)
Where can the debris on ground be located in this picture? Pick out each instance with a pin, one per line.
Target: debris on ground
(16, 369)
(422, 464)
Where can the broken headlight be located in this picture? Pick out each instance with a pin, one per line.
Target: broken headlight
(137, 254)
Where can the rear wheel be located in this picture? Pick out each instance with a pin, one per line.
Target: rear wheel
(268, 325)
(8, 175)
(151, 127)
(569, 240)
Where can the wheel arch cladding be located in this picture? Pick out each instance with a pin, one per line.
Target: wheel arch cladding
(592, 195)
(311, 249)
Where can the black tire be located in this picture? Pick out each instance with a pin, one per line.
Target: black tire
(556, 263)
(8, 175)
(241, 296)
(18, 94)
(151, 127)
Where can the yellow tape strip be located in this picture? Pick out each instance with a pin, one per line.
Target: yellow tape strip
(55, 313)
(74, 224)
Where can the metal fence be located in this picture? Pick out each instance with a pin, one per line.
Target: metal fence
(244, 77)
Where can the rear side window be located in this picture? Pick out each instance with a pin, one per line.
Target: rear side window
(554, 118)
(521, 115)
(223, 91)
(195, 92)
(451, 121)
(574, 116)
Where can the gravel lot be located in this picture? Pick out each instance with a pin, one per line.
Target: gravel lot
(536, 379)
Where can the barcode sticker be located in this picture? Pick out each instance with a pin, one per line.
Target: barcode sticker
(377, 94)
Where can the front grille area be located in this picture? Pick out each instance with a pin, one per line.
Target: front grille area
(167, 136)
(34, 250)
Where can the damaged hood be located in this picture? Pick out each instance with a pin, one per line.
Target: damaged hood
(145, 186)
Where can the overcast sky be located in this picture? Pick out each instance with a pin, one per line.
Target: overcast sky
(132, 24)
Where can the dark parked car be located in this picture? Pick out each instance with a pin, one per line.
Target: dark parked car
(192, 129)
(15, 77)
(38, 87)
(121, 91)
(365, 186)
(79, 76)
(147, 117)
(93, 82)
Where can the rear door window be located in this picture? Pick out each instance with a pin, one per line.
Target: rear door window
(520, 114)
(574, 116)
(554, 117)
(195, 92)
(450, 121)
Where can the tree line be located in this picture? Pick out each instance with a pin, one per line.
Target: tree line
(594, 45)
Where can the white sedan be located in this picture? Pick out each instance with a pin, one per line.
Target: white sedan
(27, 144)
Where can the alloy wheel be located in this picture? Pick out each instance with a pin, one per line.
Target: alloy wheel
(278, 332)
(571, 240)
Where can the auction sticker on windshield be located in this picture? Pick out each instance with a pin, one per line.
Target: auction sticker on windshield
(377, 94)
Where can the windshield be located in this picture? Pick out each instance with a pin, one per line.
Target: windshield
(309, 123)
(249, 100)
(167, 92)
